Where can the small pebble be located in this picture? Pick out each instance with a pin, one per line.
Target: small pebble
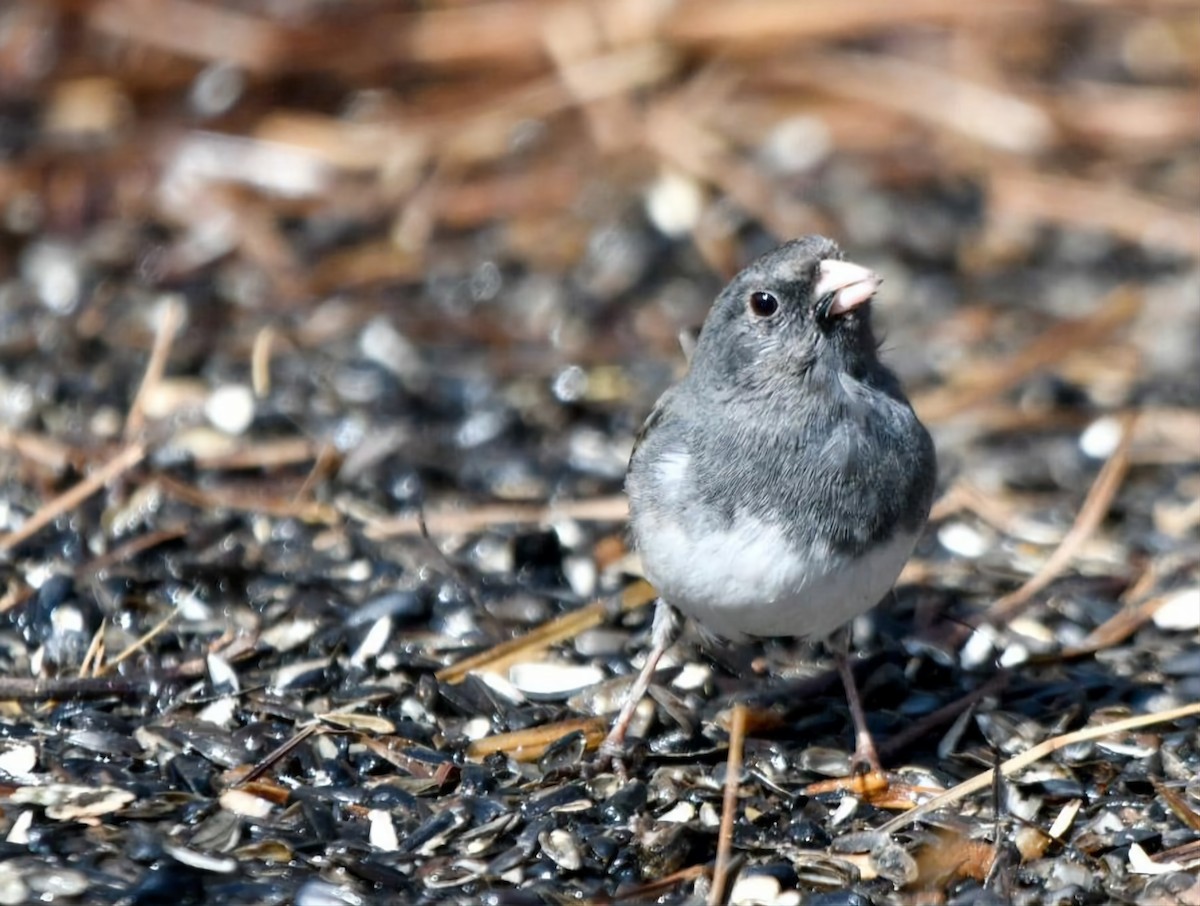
(674, 203)
(230, 409)
(797, 144)
(962, 539)
(581, 575)
(1100, 438)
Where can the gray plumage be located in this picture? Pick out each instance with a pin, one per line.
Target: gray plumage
(780, 486)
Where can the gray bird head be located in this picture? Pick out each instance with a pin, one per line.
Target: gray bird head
(799, 311)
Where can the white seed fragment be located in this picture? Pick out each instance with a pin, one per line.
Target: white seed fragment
(1141, 864)
(18, 761)
(1180, 611)
(962, 539)
(754, 890)
(682, 813)
(245, 804)
(980, 647)
(383, 831)
(550, 680)
(674, 203)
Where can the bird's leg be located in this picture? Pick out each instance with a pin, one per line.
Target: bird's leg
(865, 757)
(662, 634)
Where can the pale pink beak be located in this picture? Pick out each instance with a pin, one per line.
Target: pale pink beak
(850, 284)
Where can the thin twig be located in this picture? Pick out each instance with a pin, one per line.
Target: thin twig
(124, 461)
(130, 549)
(733, 774)
(240, 500)
(260, 362)
(450, 522)
(140, 643)
(569, 625)
(984, 380)
(921, 729)
(1033, 755)
(1091, 513)
(46, 452)
(288, 451)
(95, 652)
(168, 327)
(531, 743)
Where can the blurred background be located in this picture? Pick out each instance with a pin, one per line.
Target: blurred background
(275, 275)
(564, 185)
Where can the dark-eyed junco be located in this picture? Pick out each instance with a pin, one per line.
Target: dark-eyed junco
(779, 488)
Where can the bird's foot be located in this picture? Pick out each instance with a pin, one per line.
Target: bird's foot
(865, 759)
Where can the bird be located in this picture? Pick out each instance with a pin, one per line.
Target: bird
(779, 488)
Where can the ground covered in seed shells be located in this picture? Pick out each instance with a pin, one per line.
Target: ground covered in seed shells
(324, 338)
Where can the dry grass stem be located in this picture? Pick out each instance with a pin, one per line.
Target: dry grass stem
(729, 805)
(1095, 507)
(126, 459)
(501, 657)
(170, 319)
(1032, 756)
(601, 509)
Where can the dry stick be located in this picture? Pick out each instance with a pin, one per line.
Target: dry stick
(240, 501)
(963, 495)
(598, 509)
(127, 458)
(31, 688)
(129, 550)
(1114, 630)
(326, 460)
(1177, 804)
(728, 25)
(1095, 506)
(16, 595)
(531, 743)
(43, 451)
(940, 97)
(1048, 351)
(1024, 195)
(269, 454)
(733, 774)
(40, 689)
(922, 728)
(260, 362)
(279, 752)
(140, 643)
(168, 327)
(95, 651)
(1035, 754)
(559, 629)
(651, 890)
(124, 461)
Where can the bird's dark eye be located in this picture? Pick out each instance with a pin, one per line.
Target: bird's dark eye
(763, 304)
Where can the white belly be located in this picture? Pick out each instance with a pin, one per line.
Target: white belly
(746, 581)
